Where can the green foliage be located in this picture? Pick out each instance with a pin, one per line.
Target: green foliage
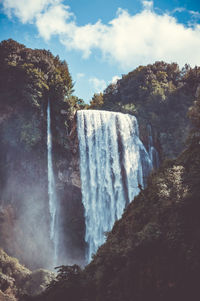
(29, 79)
(16, 280)
(75, 103)
(97, 101)
(67, 280)
(12, 275)
(160, 95)
(65, 274)
(32, 75)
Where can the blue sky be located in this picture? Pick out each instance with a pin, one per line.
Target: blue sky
(103, 39)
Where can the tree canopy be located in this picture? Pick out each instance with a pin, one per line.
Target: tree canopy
(32, 75)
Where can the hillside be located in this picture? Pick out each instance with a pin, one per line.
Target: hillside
(152, 252)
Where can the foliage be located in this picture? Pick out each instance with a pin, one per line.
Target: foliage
(160, 95)
(68, 278)
(12, 275)
(16, 280)
(29, 79)
(32, 75)
(97, 101)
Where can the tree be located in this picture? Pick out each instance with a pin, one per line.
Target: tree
(97, 101)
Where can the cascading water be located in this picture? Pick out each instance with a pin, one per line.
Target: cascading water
(113, 163)
(51, 186)
(151, 149)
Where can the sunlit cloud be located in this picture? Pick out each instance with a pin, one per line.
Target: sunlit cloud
(25, 10)
(147, 5)
(127, 40)
(54, 21)
(115, 79)
(98, 84)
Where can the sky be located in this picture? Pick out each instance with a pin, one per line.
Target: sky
(103, 39)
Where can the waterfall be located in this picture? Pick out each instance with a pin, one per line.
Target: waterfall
(113, 162)
(51, 186)
(151, 149)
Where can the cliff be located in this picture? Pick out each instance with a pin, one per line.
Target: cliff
(152, 252)
(28, 80)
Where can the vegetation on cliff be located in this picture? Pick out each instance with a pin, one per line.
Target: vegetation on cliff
(158, 95)
(37, 72)
(152, 252)
(16, 280)
(28, 80)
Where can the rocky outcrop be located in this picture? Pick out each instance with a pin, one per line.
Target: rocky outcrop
(16, 280)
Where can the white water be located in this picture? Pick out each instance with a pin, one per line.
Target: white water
(113, 162)
(51, 186)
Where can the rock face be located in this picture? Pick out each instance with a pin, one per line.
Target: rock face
(72, 222)
(24, 191)
(24, 187)
(16, 280)
(28, 80)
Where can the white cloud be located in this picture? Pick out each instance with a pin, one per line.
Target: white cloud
(98, 84)
(80, 75)
(129, 40)
(148, 5)
(54, 21)
(115, 79)
(25, 10)
(84, 38)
